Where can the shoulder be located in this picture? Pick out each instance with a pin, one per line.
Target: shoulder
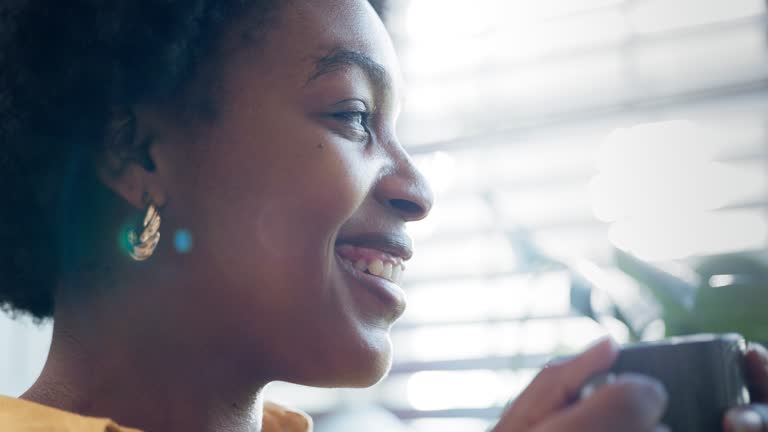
(24, 416)
(280, 419)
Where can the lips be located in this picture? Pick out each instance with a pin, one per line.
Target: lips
(376, 261)
(379, 254)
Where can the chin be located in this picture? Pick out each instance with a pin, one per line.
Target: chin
(358, 367)
(374, 362)
(373, 374)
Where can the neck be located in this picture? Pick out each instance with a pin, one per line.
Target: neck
(99, 366)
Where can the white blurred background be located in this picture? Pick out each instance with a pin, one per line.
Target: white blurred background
(552, 131)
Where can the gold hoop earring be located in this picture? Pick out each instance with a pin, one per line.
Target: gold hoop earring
(142, 246)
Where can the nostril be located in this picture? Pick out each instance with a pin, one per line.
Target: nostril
(409, 208)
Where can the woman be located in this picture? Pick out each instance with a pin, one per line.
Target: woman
(256, 142)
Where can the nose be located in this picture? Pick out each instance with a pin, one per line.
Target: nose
(405, 190)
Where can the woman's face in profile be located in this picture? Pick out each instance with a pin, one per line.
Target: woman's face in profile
(294, 195)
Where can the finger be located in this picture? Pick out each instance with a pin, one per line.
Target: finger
(751, 418)
(756, 368)
(633, 403)
(556, 385)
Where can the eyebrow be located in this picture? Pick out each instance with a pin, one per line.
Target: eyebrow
(340, 58)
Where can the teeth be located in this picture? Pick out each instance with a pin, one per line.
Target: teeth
(397, 272)
(392, 271)
(387, 273)
(376, 267)
(361, 264)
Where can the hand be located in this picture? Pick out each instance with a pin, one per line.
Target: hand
(632, 403)
(752, 418)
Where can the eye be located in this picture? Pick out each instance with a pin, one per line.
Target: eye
(357, 119)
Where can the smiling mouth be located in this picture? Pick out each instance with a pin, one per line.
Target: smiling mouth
(373, 262)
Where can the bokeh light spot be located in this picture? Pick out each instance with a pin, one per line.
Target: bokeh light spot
(182, 240)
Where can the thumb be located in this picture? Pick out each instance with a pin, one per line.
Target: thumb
(556, 386)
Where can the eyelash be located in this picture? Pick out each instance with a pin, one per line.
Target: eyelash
(351, 117)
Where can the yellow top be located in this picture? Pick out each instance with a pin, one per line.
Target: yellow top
(23, 416)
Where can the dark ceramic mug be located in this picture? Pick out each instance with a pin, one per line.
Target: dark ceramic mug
(703, 376)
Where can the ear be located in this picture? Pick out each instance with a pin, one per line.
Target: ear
(125, 164)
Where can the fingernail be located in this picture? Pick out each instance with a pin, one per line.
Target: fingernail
(595, 383)
(744, 420)
(661, 392)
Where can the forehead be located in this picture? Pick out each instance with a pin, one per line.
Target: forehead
(305, 31)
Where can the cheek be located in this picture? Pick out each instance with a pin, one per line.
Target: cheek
(304, 201)
(264, 212)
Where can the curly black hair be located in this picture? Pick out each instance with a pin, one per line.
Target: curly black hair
(64, 66)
